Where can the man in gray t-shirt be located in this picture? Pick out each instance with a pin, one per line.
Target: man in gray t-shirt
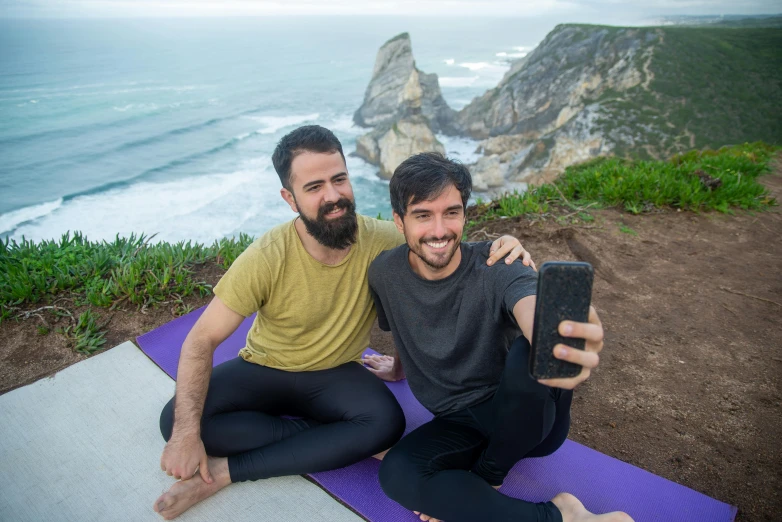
(461, 329)
(464, 320)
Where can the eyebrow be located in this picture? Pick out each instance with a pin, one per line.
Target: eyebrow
(315, 182)
(425, 211)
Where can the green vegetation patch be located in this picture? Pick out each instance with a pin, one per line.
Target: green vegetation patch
(720, 180)
(711, 86)
(103, 274)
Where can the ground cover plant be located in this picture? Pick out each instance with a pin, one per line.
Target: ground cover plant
(102, 275)
(721, 180)
(726, 92)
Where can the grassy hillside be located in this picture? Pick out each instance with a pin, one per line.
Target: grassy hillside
(710, 86)
(721, 180)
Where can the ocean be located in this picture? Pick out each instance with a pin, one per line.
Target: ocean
(166, 126)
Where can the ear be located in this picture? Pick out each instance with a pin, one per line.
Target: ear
(400, 225)
(287, 195)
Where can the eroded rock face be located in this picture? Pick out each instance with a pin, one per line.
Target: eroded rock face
(488, 172)
(544, 114)
(573, 66)
(399, 90)
(390, 146)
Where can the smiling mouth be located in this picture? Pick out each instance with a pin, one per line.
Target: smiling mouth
(437, 245)
(337, 211)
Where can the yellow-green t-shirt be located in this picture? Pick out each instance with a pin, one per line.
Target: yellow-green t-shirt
(311, 316)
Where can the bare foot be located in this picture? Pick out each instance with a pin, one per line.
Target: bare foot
(574, 511)
(184, 494)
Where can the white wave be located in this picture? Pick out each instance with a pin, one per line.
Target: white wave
(449, 61)
(458, 81)
(11, 220)
(511, 55)
(475, 66)
(358, 168)
(344, 124)
(523, 48)
(92, 94)
(141, 107)
(199, 208)
(71, 87)
(458, 104)
(272, 124)
(462, 149)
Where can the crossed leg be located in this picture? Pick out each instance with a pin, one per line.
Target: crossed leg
(347, 414)
(450, 468)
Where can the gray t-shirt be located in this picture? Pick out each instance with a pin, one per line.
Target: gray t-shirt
(452, 334)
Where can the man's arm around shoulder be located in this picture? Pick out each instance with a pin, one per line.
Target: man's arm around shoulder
(185, 452)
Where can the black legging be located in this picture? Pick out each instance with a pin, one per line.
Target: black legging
(347, 414)
(446, 467)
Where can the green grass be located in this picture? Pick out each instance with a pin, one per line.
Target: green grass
(102, 274)
(641, 186)
(627, 230)
(86, 335)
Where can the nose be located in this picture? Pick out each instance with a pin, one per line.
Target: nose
(331, 193)
(440, 229)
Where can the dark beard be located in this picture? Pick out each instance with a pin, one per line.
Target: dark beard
(436, 265)
(333, 233)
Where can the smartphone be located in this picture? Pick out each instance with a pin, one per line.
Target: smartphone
(564, 292)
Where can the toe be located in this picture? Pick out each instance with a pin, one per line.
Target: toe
(160, 504)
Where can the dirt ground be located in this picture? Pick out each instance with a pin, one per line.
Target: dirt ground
(689, 381)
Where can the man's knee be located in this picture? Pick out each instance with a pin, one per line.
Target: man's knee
(167, 420)
(385, 423)
(400, 477)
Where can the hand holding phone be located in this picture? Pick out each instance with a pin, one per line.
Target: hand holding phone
(564, 294)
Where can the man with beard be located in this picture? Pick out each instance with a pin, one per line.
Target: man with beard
(460, 330)
(306, 279)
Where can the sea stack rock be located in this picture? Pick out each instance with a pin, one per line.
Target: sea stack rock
(404, 105)
(388, 146)
(395, 76)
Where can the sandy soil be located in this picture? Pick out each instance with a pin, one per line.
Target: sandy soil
(689, 382)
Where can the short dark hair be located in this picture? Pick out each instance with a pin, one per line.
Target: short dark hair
(424, 177)
(309, 138)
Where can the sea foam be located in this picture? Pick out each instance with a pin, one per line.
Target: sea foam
(10, 220)
(458, 81)
(199, 208)
(272, 124)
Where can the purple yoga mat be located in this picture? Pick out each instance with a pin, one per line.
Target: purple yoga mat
(163, 344)
(601, 482)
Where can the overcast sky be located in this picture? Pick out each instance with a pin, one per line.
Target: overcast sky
(515, 8)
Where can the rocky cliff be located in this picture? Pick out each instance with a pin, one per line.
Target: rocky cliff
(405, 107)
(585, 91)
(395, 82)
(543, 115)
(640, 92)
